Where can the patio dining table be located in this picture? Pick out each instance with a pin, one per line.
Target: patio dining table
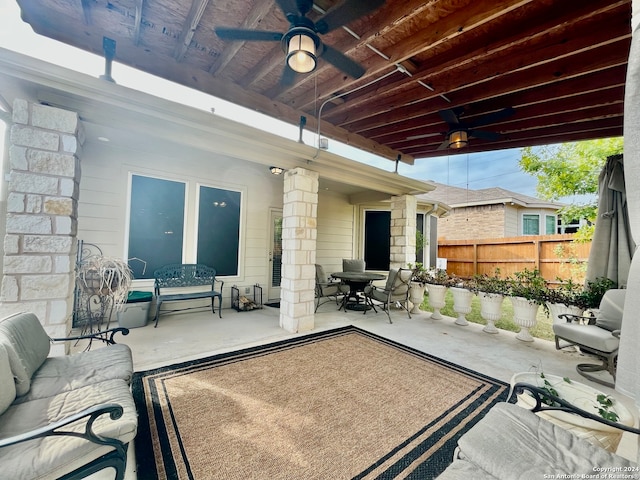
(356, 282)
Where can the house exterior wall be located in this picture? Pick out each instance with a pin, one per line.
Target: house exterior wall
(336, 227)
(103, 206)
(486, 221)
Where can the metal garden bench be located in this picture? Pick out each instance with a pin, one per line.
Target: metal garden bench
(177, 277)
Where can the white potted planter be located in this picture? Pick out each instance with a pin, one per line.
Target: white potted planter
(436, 299)
(462, 298)
(557, 309)
(490, 310)
(416, 295)
(525, 313)
(582, 396)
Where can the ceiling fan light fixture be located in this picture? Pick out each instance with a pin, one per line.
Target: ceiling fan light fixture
(458, 139)
(301, 51)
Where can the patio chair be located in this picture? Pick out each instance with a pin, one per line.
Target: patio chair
(598, 336)
(327, 289)
(353, 265)
(395, 291)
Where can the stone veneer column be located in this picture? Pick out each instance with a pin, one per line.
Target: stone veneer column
(41, 223)
(403, 231)
(299, 234)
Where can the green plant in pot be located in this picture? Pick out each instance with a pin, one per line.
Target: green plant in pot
(438, 281)
(490, 290)
(594, 290)
(564, 298)
(489, 283)
(527, 289)
(418, 285)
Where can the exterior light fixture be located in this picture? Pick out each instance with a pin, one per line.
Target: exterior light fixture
(276, 170)
(458, 139)
(301, 45)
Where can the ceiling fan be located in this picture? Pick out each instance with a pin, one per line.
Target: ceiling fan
(301, 42)
(460, 132)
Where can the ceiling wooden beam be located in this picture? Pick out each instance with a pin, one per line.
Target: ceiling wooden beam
(191, 23)
(535, 45)
(257, 13)
(461, 21)
(139, 4)
(577, 65)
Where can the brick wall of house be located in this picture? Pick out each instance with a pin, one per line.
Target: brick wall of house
(486, 221)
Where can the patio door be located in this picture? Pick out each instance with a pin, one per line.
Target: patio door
(275, 255)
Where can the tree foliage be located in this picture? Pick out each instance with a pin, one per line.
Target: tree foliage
(569, 169)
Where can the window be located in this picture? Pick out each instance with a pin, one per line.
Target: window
(219, 229)
(550, 224)
(530, 224)
(156, 224)
(158, 231)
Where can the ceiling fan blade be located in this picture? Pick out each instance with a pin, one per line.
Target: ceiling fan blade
(492, 117)
(342, 62)
(346, 12)
(425, 135)
(450, 117)
(287, 6)
(483, 134)
(288, 77)
(444, 145)
(248, 35)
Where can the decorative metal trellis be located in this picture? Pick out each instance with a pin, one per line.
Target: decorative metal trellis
(91, 306)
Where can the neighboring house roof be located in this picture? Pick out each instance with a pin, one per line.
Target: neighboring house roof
(457, 197)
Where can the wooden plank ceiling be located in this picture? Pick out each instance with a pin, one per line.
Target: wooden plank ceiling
(560, 64)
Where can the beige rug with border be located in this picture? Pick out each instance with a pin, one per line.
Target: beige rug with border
(331, 405)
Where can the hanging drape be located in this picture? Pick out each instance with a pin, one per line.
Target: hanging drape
(628, 372)
(613, 245)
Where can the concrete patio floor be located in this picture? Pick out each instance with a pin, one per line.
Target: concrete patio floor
(185, 336)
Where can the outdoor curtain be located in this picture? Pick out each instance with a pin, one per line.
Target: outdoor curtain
(628, 372)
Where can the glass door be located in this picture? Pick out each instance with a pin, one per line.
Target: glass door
(275, 256)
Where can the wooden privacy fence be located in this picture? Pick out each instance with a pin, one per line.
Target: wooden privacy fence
(554, 255)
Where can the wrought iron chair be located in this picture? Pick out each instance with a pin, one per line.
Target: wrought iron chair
(353, 265)
(395, 291)
(598, 336)
(327, 289)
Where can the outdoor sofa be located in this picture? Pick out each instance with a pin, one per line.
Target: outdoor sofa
(67, 416)
(511, 442)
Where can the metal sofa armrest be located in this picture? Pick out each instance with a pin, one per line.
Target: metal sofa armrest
(116, 458)
(114, 410)
(104, 336)
(578, 318)
(562, 405)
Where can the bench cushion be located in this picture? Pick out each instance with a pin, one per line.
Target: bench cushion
(52, 457)
(28, 346)
(7, 385)
(61, 374)
(512, 443)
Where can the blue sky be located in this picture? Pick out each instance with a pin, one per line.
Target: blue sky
(474, 171)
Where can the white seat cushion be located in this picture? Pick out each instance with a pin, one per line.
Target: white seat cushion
(588, 335)
(28, 346)
(61, 374)
(52, 457)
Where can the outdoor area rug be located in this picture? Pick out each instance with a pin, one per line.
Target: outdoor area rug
(330, 405)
